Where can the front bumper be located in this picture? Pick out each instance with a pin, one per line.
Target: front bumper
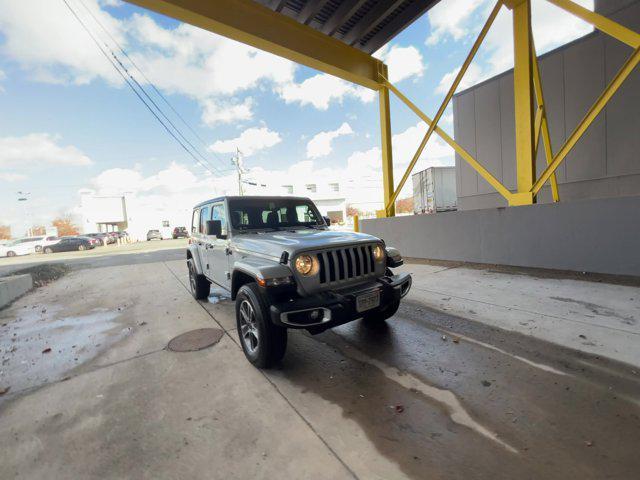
(337, 307)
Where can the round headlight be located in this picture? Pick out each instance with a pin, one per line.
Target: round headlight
(378, 253)
(306, 265)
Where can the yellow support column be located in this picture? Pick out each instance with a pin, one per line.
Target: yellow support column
(523, 96)
(387, 156)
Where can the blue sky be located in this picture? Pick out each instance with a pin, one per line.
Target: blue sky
(68, 123)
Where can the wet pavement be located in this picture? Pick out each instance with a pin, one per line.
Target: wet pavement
(440, 394)
(424, 395)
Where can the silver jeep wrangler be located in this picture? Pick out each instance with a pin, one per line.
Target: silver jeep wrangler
(285, 269)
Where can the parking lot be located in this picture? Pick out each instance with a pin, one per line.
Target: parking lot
(91, 391)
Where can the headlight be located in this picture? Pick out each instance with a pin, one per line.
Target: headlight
(307, 265)
(378, 253)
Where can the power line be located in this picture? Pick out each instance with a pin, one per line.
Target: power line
(153, 86)
(106, 55)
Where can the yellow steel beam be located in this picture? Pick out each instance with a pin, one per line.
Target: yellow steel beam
(387, 155)
(591, 115)
(446, 100)
(249, 22)
(544, 125)
(484, 173)
(602, 23)
(523, 100)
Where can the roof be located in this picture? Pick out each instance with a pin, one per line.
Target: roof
(249, 197)
(364, 24)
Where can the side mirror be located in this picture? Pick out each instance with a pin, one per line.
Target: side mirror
(327, 220)
(214, 227)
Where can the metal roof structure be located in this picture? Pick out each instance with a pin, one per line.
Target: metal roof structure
(364, 24)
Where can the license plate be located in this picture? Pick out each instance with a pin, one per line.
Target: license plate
(368, 301)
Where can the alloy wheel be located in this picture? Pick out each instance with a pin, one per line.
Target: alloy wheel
(249, 327)
(192, 278)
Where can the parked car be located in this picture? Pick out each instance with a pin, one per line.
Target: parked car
(67, 244)
(113, 237)
(285, 269)
(96, 242)
(48, 240)
(180, 232)
(103, 238)
(39, 241)
(154, 235)
(16, 247)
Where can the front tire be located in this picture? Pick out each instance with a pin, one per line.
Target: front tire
(48, 250)
(80, 248)
(11, 254)
(200, 286)
(263, 343)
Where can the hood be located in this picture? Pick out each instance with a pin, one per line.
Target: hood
(274, 243)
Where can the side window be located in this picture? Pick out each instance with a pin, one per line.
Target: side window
(195, 220)
(204, 216)
(305, 214)
(219, 214)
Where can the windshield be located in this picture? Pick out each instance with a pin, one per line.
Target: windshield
(257, 213)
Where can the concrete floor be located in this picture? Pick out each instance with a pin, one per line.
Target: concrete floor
(429, 395)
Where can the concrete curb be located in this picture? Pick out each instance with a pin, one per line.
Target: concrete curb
(13, 287)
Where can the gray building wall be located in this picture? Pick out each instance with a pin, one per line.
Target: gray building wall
(598, 236)
(604, 163)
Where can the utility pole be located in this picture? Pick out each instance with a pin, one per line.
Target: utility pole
(237, 161)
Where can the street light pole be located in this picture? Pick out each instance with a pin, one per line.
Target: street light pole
(23, 197)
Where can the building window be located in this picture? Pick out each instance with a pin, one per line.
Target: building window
(311, 187)
(334, 187)
(288, 188)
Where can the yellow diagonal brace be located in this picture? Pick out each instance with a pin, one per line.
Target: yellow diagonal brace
(536, 128)
(446, 101)
(484, 173)
(602, 23)
(544, 124)
(591, 115)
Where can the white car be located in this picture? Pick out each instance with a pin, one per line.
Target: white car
(39, 242)
(17, 247)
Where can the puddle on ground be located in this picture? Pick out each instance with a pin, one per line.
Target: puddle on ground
(42, 344)
(218, 295)
(446, 398)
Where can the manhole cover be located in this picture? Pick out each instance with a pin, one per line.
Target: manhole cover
(195, 340)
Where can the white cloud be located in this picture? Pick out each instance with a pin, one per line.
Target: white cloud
(3, 76)
(39, 150)
(451, 19)
(249, 142)
(220, 111)
(403, 62)
(12, 177)
(321, 143)
(405, 144)
(470, 78)
(47, 41)
(322, 89)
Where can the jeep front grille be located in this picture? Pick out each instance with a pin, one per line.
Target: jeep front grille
(342, 264)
